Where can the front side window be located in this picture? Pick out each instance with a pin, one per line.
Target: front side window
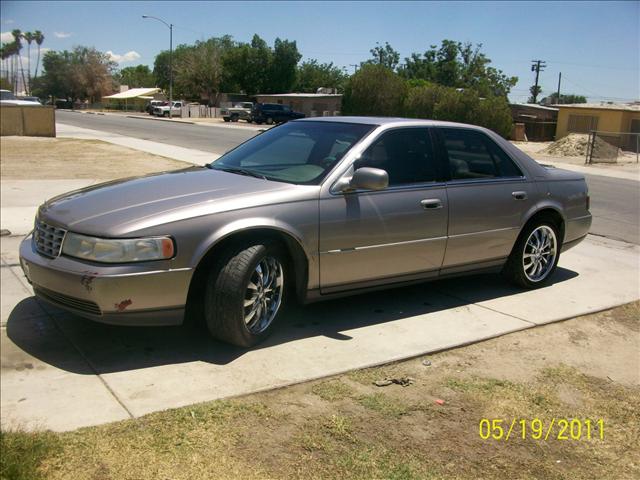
(296, 152)
(406, 154)
(473, 156)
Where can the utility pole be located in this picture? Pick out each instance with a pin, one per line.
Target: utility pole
(559, 80)
(538, 65)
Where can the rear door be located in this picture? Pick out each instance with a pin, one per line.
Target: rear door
(399, 233)
(488, 197)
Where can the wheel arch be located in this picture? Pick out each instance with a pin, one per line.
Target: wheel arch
(296, 254)
(546, 211)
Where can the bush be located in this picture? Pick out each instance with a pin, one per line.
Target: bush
(374, 90)
(444, 103)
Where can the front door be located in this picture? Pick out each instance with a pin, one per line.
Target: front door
(395, 234)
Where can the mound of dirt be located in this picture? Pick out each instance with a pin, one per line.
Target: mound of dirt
(576, 144)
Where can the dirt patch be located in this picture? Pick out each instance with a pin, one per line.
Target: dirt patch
(66, 158)
(576, 145)
(346, 427)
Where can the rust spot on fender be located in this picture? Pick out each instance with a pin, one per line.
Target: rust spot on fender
(87, 280)
(123, 305)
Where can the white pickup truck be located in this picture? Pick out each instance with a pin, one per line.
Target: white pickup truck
(163, 110)
(239, 111)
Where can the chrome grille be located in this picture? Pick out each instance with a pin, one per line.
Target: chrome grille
(48, 239)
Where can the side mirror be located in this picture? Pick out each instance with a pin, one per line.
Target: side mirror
(366, 178)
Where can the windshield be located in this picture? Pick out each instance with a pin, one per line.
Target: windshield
(5, 95)
(296, 152)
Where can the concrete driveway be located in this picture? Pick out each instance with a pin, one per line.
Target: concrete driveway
(63, 372)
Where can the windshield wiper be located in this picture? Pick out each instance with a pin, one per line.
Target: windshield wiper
(239, 171)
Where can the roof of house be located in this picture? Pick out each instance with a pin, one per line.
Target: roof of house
(133, 93)
(534, 106)
(627, 107)
(300, 95)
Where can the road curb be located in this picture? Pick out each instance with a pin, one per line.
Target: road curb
(138, 117)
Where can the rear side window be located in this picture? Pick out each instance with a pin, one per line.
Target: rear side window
(406, 155)
(473, 156)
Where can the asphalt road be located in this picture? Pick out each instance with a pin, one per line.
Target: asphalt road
(615, 206)
(207, 138)
(615, 203)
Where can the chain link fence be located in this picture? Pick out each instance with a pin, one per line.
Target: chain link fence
(612, 147)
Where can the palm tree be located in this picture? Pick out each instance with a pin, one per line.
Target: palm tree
(28, 36)
(39, 38)
(17, 35)
(3, 57)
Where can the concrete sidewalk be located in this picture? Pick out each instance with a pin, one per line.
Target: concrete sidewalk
(63, 372)
(197, 157)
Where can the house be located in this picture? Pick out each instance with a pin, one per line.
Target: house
(311, 104)
(616, 118)
(539, 122)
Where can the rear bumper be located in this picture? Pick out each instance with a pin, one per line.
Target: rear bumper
(136, 294)
(576, 229)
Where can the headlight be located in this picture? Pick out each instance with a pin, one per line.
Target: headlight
(118, 250)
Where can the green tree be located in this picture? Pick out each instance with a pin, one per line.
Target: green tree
(313, 75)
(282, 72)
(438, 102)
(385, 56)
(39, 39)
(534, 90)
(136, 77)
(28, 36)
(564, 99)
(82, 74)
(458, 65)
(199, 69)
(374, 90)
(17, 36)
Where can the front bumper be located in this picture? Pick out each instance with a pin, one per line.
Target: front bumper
(132, 294)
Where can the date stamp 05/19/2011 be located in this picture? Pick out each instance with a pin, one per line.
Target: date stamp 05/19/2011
(562, 429)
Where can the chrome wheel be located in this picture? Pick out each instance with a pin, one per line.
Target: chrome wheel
(540, 251)
(263, 295)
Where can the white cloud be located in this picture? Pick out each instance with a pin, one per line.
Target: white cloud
(62, 34)
(130, 56)
(6, 37)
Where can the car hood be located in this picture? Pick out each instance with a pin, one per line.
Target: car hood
(124, 206)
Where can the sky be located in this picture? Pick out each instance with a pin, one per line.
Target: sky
(596, 45)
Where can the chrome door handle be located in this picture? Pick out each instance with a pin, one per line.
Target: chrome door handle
(431, 203)
(519, 195)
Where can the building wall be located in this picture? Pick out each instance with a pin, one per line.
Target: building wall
(608, 120)
(27, 121)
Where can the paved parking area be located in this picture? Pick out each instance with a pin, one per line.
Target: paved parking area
(63, 372)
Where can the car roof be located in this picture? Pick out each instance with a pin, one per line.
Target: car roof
(386, 121)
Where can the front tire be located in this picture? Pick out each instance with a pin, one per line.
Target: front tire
(245, 292)
(535, 255)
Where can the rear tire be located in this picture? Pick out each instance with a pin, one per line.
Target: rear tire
(535, 255)
(245, 293)
(226, 119)
(269, 121)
